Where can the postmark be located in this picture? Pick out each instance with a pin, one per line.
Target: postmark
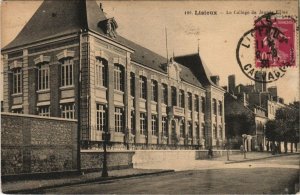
(265, 52)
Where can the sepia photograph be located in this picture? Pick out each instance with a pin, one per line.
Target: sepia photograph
(150, 97)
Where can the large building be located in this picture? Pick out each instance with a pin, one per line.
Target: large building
(69, 61)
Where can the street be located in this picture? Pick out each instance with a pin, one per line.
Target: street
(275, 175)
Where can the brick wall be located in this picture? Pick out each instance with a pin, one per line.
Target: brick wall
(33, 144)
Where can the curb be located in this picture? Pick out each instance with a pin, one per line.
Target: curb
(254, 159)
(100, 180)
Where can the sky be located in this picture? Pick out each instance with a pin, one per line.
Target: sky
(145, 22)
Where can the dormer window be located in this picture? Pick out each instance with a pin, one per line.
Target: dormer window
(109, 26)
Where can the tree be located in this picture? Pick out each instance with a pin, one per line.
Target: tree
(288, 118)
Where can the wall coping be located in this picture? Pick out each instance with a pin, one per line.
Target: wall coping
(116, 151)
(36, 116)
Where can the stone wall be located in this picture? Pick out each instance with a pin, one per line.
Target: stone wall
(34, 144)
(93, 160)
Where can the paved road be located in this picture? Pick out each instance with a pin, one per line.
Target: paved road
(264, 176)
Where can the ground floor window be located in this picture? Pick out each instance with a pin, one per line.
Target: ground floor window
(164, 126)
(143, 124)
(101, 117)
(215, 132)
(181, 129)
(154, 124)
(119, 120)
(68, 110)
(44, 111)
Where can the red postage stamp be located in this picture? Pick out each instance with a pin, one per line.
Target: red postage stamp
(275, 42)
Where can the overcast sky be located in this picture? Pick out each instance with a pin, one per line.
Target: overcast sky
(145, 23)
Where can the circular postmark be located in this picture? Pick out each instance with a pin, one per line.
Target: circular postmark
(265, 52)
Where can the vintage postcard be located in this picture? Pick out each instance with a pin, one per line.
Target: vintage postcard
(154, 97)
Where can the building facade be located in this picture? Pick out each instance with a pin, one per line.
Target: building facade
(82, 69)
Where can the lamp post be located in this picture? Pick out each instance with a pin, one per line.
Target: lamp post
(106, 136)
(244, 136)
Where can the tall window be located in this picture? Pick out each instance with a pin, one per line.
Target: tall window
(181, 98)
(190, 128)
(118, 77)
(197, 131)
(220, 108)
(118, 120)
(132, 120)
(101, 72)
(44, 111)
(189, 101)
(196, 106)
(215, 132)
(143, 87)
(17, 80)
(143, 124)
(132, 84)
(154, 125)
(164, 94)
(101, 117)
(203, 104)
(43, 77)
(181, 128)
(68, 110)
(174, 96)
(67, 72)
(214, 106)
(154, 90)
(220, 131)
(203, 130)
(164, 126)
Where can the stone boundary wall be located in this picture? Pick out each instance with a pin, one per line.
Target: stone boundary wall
(35, 144)
(149, 156)
(92, 160)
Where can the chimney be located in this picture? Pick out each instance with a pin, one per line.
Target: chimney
(231, 83)
(215, 79)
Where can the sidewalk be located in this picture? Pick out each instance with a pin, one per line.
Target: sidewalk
(27, 186)
(250, 156)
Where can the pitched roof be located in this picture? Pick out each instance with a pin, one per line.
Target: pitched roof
(52, 19)
(56, 18)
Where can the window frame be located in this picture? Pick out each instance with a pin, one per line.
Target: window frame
(154, 125)
(68, 109)
(43, 77)
(44, 111)
(101, 72)
(17, 80)
(143, 123)
(101, 116)
(67, 72)
(119, 120)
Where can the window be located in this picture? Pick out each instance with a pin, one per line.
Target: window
(67, 72)
(132, 84)
(197, 131)
(101, 117)
(143, 87)
(164, 126)
(101, 72)
(189, 101)
(220, 131)
(154, 124)
(164, 94)
(181, 129)
(220, 108)
(43, 77)
(44, 111)
(68, 110)
(132, 120)
(118, 77)
(215, 132)
(18, 110)
(118, 120)
(181, 98)
(203, 104)
(143, 124)
(190, 128)
(214, 106)
(154, 90)
(174, 96)
(203, 130)
(17, 80)
(196, 106)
